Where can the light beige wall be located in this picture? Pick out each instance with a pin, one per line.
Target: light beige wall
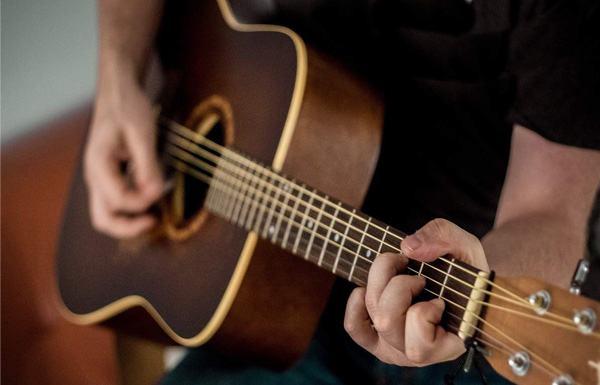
(48, 60)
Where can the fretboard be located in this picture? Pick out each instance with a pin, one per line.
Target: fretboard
(323, 230)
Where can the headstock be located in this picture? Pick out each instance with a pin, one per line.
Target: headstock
(554, 344)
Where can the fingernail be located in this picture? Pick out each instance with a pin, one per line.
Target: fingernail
(412, 242)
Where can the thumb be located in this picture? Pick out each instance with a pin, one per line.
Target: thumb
(141, 142)
(440, 237)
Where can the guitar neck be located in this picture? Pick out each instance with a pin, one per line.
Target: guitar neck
(324, 230)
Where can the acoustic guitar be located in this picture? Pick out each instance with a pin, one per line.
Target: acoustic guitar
(248, 131)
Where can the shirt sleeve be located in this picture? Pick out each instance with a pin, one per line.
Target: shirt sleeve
(554, 57)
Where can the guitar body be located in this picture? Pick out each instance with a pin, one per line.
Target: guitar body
(279, 102)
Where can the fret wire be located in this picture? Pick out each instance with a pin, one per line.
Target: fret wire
(446, 279)
(270, 215)
(220, 197)
(324, 264)
(210, 197)
(314, 230)
(229, 206)
(231, 197)
(216, 195)
(238, 209)
(239, 185)
(362, 238)
(299, 235)
(329, 229)
(287, 231)
(281, 216)
(382, 240)
(337, 259)
(261, 211)
(249, 210)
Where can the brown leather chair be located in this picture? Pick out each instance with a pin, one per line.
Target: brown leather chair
(38, 345)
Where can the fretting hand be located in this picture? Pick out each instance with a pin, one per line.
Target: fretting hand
(381, 317)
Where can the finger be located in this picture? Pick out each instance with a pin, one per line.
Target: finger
(358, 326)
(390, 316)
(106, 178)
(357, 321)
(115, 225)
(426, 341)
(440, 237)
(384, 268)
(103, 174)
(141, 142)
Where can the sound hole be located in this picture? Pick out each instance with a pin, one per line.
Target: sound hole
(184, 212)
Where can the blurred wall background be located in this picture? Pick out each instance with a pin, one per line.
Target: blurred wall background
(48, 60)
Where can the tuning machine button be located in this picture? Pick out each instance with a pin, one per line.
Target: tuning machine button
(520, 363)
(540, 301)
(585, 320)
(564, 379)
(579, 277)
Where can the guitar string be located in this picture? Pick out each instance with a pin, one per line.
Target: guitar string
(211, 169)
(183, 167)
(566, 320)
(199, 139)
(521, 346)
(197, 149)
(567, 326)
(505, 350)
(177, 140)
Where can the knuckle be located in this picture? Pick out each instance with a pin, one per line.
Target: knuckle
(384, 323)
(370, 303)
(350, 325)
(151, 189)
(417, 355)
(417, 311)
(439, 226)
(100, 222)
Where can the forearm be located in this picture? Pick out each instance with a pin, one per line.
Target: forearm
(541, 221)
(127, 30)
(537, 245)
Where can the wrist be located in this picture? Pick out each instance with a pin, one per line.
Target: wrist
(116, 70)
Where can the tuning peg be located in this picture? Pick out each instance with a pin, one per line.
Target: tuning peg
(585, 320)
(520, 363)
(564, 379)
(540, 301)
(581, 272)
